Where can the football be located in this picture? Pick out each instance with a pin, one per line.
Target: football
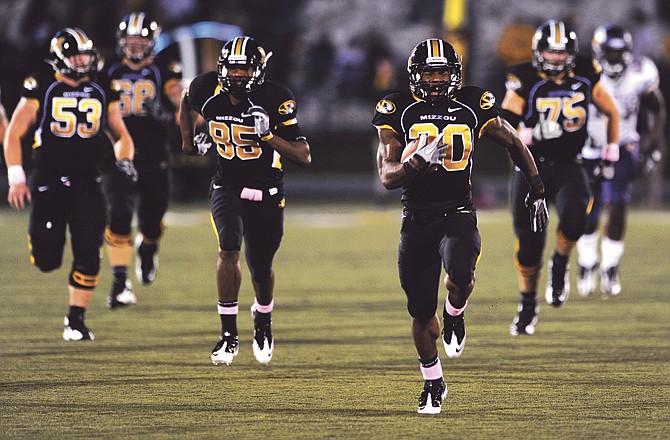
(412, 145)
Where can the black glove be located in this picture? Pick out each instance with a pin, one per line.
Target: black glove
(604, 170)
(539, 215)
(127, 167)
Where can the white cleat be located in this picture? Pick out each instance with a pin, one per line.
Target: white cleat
(225, 350)
(263, 343)
(586, 282)
(76, 334)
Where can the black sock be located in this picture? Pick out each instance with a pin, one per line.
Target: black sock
(429, 363)
(76, 315)
(120, 273)
(228, 322)
(560, 259)
(528, 297)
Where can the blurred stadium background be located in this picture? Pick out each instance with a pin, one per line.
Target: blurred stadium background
(339, 57)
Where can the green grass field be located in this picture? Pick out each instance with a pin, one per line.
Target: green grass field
(344, 363)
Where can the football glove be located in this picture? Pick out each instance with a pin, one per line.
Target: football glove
(648, 161)
(158, 112)
(431, 153)
(604, 170)
(202, 143)
(127, 167)
(261, 121)
(539, 215)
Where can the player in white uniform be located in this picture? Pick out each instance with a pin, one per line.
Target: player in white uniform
(634, 84)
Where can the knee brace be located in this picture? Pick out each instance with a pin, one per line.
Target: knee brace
(83, 281)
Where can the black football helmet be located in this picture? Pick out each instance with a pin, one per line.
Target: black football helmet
(137, 24)
(68, 43)
(242, 53)
(612, 49)
(554, 36)
(437, 55)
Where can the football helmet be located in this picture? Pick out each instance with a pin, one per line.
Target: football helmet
(242, 53)
(64, 50)
(554, 36)
(434, 55)
(140, 25)
(612, 49)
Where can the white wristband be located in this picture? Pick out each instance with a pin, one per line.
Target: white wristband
(15, 175)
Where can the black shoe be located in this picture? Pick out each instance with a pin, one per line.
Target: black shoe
(225, 350)
(430, 400)
(263, 342)
(76, 331)
(558, 287)
(121, 295)
(526, 317)
(453, 334)
(146, 260)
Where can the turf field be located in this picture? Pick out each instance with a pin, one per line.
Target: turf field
(344, 363)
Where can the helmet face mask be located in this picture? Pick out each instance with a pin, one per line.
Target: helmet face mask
(554, 37)
(241, 66)
(73, 54)
(434, 70)
(612, 49)
(136, 37)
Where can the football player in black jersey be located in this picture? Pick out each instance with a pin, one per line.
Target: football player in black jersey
(71, 105)
(252, 124)
(548, 99)
(439, 222)
(150, 90)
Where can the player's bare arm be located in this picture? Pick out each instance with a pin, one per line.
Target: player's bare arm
(391, 171)
(297, 152)
(124, 148)
(605, 103)
(3, 122)
(503, 133)
(653, 100)
(23, 118)
(513, 102)
(187, 122)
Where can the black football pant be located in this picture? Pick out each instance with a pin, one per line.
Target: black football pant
(567, 187)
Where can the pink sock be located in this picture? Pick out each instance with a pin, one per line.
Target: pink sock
(453, 311)
(264, 309)
(433, 372)
(227, 310)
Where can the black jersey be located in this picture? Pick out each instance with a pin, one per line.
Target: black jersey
(461, 119)
(244, 160)
(140, 90)
(70, 122)
(557, 113)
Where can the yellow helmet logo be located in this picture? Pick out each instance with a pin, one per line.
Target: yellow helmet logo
(287, 107)
(487, 101)
(385, 107)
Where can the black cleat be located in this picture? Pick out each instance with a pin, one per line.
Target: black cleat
(146, 260)
(558, 287)
(453, 334)
(121, 295)
(263, 341)
(526, 317)
(430, 400)
(225, 350)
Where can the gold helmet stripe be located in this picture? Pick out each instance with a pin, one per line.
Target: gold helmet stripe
(435, 48)
(556, 35)
(135, 23)
(239, 45)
